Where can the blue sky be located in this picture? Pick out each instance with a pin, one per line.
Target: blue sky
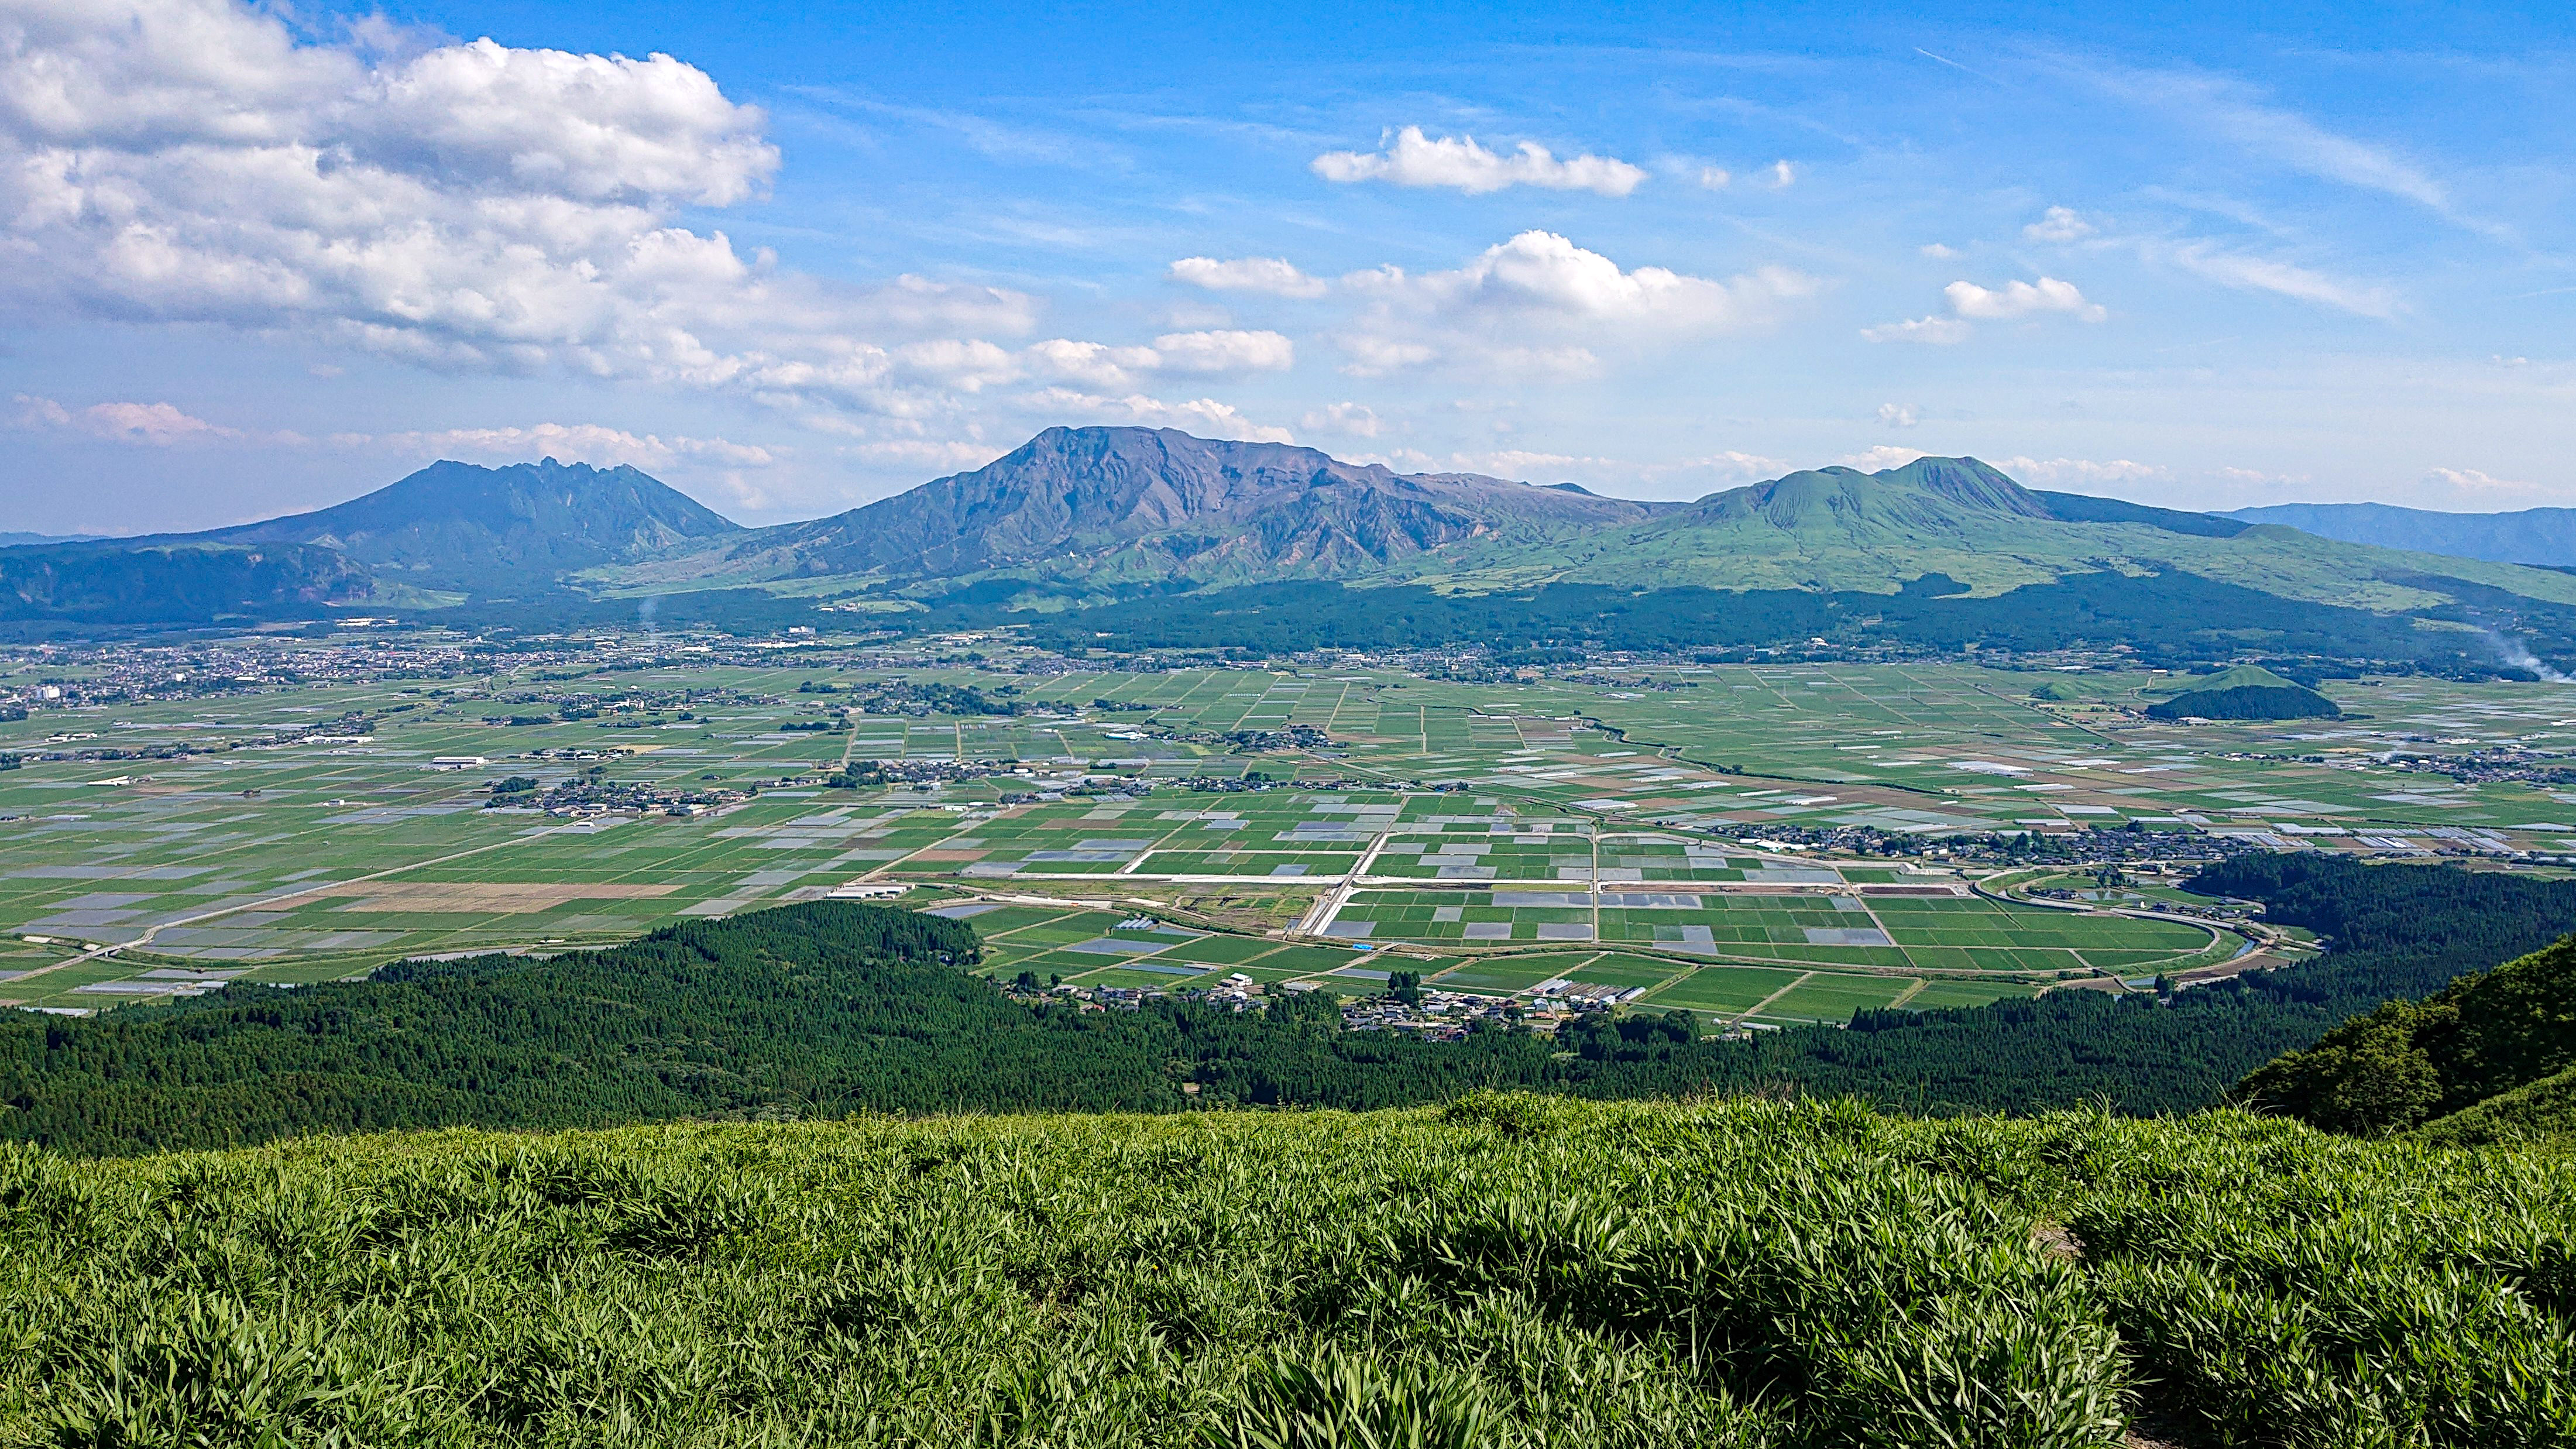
(258, 258)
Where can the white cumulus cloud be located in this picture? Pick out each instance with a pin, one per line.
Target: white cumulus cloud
(1970, 303)
(1410, 158)
(1223, 353)
(1274, 275)
(469, 207)
(1538, 302)
(1897, 415)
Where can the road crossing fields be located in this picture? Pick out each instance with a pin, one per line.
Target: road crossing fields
(1547, 814)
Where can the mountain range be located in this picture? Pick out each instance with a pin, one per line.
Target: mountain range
(1110, 504)
(1084, 513)
(2542, 536)
(1087, 515)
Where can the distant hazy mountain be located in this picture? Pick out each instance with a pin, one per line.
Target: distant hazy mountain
(1084, 514)
(2545, 536)
(29, 540)
(459, 526)
(1142, 502)
(175, 584)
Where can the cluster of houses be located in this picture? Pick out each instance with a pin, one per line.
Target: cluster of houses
(1434, 1014)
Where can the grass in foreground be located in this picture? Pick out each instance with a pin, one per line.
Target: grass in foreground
(1506, 1271)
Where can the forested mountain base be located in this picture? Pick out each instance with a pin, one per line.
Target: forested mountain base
(2169, 618)
(832, 1007)
(1508, 1271)
(2485, 1035)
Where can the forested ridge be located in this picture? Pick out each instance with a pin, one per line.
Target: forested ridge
(2412, 1061)
(834, 1007)
(2170, 617)
(2247, 701)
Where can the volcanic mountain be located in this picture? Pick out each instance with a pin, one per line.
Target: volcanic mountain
(1832, 529)
(461, 527)
(1085, 515)
(1113, 503)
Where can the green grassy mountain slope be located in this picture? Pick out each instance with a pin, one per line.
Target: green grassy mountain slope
(1841, 529)
(1118, 503)
(2234, 676)
(1506, 1273)
(1082, 511)
(459, 526)
(2544, 1110)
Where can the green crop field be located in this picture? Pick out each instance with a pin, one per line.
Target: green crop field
(302, 832)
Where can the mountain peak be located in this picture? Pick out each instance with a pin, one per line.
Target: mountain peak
(1159, 502)
(462, 525)
(1963, 481)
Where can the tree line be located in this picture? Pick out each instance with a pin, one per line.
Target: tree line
(835, 1007)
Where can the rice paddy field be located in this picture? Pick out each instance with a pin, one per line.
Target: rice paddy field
(1506, 1272)
(1602, 824)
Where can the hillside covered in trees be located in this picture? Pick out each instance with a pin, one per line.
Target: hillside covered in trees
(2409, 1062)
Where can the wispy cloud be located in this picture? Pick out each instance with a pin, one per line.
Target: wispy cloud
(1349, 419)
(1273, 275)
(152, 425)
(1936, 330)
(1881, 458)
(2242, 114)
(2080, 472)
(2214, 263)
(2059, 225)
(160, 425)
(2474, 481)
(570, 442)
